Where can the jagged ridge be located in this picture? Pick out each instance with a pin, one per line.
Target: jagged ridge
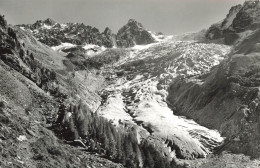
(53, 34)
(239, 22)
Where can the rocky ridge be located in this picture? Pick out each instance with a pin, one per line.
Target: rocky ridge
(238, 24)
(54, 34)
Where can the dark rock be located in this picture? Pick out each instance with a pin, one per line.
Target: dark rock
(239, 19)
(231, 38)
(49, 22)
(133, 33)
(107, 31)
(4, 119)
(2, 21)
(214, 32)
(2, 105)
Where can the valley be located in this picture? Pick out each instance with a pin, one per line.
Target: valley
(72, 96)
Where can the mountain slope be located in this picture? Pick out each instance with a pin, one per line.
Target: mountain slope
(227, 98)
(55, 108)
(30, 93)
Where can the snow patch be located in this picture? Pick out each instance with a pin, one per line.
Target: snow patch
(92, 49)
(46, 26)
(142, 47)
(63, 46)
(89, 46)
(157, 37)
(63, 26)
(22, 138)
(114, 109)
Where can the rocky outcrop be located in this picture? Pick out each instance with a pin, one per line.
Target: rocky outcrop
(248, 17)
(216, 30)
(133, 33)
(240, 20)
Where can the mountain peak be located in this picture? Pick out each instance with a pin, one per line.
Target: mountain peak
(239, 19)
(2, 21)
(107, 31)
(133, 33)
(132, 22)
(49, 21)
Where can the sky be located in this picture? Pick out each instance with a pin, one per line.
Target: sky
(166, 16)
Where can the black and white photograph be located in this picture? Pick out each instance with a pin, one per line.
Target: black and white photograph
(130, 84)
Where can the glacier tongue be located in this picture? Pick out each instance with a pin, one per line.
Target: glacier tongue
(139, 96)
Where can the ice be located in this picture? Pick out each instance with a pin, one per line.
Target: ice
(138, 100)
(152, 111)
(114, 109)
(63, 46)
(156, 37)
(141, 47)
(89, 46)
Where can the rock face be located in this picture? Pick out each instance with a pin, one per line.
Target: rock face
(240, 20)
(133, 33)
(216, 30)
(52, 33)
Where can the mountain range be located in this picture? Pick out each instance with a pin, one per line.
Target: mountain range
(72, 96)
(52, 33)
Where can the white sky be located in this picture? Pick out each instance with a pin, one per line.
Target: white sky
(167, 16)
